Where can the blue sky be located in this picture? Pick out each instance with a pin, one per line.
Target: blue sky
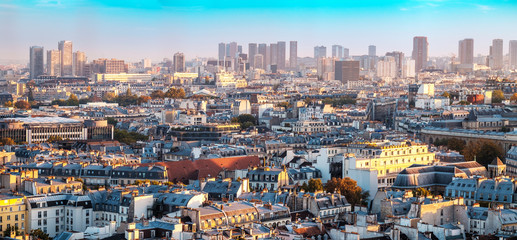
(132, 30)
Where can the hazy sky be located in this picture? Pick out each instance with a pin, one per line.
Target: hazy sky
(132, 30)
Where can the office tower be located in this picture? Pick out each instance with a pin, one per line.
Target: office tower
(513, 54)
(222, 51)
(372, 51)
(179, 62)
(65, 47)
(273, 54)
(293, 55)
(337, 51)
(146, 63)
(79, 62)
(36, 62)
(347, 72)
(54, 63)
(267, 56)
(387, 67)
(496, 55)
(252, 51)
(320, 51)
(420, 52)
(232, 49)
(239, 49)
(281, 50)
(258, 61)
(466, 51)
(109, 66)
(399, 59)
(262, 49)
(346, 53)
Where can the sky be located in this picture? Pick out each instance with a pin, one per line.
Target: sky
(156, 29)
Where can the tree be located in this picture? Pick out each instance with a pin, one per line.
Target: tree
(53, 139)
(109, 97)
(23, 105)
(175, 93)
(143, 99)
(456, 144)
(128, 137)
(7, 231)
(39, 234)
(463, 102)
(421, 192)
(284, 105)
(446, 94)
(514, 97)
(305, 187)
(6, 141)
(112, 121)
(483, 151)
(72, 100)
(245, 120)
(348, 188)
(498, 96)
(315, 185)
(8, 104)
(157, 94)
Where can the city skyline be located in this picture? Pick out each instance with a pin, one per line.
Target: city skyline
(110, 28)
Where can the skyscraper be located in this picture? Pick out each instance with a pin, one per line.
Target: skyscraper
(262, 49)
(347, 72)
(239, 50)
(320, 51)
(496, 55)
(293, 55)
(420, 52)
(252, 50)
(65, 47)
(179, 62)
(372, 51)
(466, 51)
(387, 67)
(513, 54)
(399, 59)
(222, 51)
(79, 62)
(337, 51)
(259, 61)
(36, 62)
(346, 53)
(273, 53)
(281, 49)
(232, 50)
(54, 63)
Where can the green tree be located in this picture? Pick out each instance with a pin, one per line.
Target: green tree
(483, 151)
(129, 138)
(456, 144)
(7, 231)
(304, 187)
(315, 185)
(463, 102)
(498, 96)
(112, 121)
(245, 120)
(39, 234)
(22, 105)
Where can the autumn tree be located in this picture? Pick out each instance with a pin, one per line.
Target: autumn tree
(8, 104)
(482, 151)
(175, 93)
(143, 99)
(348, 188)
(109, 97)
(22, 105)
(514, 97)
(7, 141)
(446, 94)
(157, 94)
(421, 192)
(39, 234)
(498, 96)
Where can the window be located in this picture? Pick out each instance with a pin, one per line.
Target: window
(44, 213)
(57, 212)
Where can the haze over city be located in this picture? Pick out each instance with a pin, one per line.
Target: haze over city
(133, 30)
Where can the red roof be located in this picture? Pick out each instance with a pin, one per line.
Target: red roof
(193, 170)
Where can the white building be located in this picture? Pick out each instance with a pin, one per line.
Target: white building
(58, 213)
